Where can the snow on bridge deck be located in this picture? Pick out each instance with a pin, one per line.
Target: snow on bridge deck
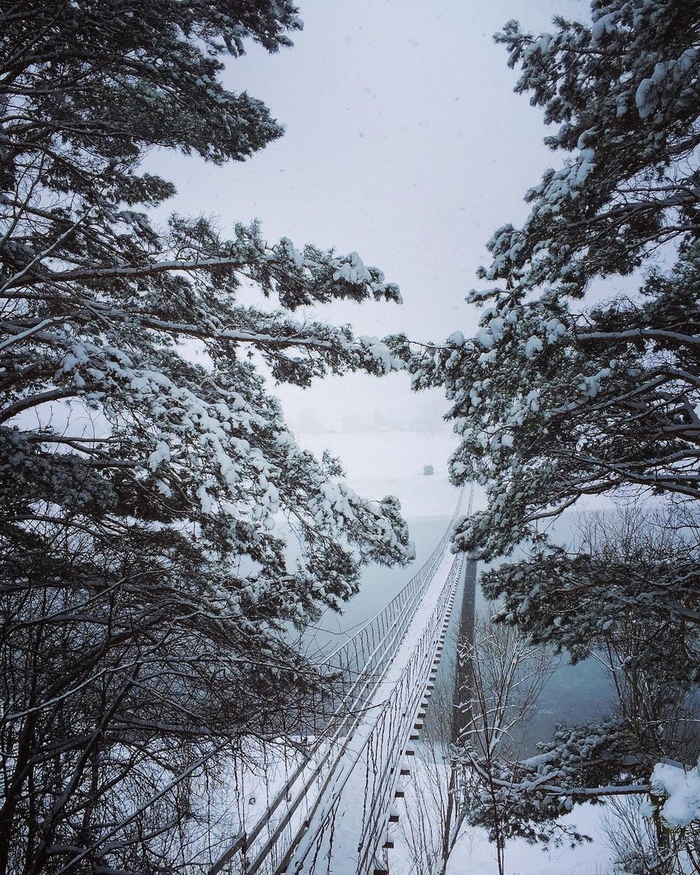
(351, 825)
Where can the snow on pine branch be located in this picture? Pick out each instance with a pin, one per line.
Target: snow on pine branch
(679, 788)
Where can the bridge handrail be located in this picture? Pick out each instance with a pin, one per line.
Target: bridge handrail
(364, 673)
(400, 710)
(420, 577)
(396, 716)
(348, 711)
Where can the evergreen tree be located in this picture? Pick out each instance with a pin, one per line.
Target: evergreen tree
(555, 401)
(145, 580)
(562, 394)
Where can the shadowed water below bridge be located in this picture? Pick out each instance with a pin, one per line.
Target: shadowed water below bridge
(573, 694)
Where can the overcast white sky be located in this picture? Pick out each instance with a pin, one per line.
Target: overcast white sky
(404, 142)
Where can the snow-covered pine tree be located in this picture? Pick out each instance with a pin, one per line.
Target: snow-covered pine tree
(144, 588)
(554, 400)
(570, 388)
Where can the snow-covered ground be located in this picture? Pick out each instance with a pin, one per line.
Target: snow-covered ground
(419, 834)
(474, 855)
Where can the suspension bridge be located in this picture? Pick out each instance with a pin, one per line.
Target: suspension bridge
(331, 804)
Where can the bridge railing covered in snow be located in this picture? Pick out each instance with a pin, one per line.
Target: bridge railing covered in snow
(355, 716)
